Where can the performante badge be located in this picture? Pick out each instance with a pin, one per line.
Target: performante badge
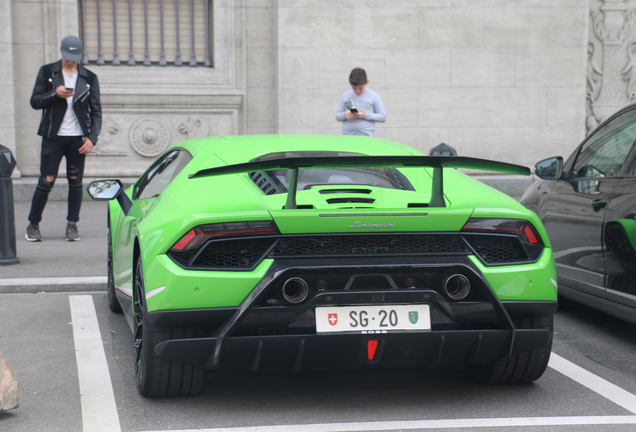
(413, 317)
(373, 225)
(333, 319)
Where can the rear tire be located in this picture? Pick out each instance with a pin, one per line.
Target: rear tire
(156, 376)
(521, 368)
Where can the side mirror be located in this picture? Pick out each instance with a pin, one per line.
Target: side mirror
(106, 190)
(549, 169)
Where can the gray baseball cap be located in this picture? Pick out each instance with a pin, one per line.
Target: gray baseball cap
(72, 49)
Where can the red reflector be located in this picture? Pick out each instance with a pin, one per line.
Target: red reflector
(372, 346)
(184, 240)
(529, 232)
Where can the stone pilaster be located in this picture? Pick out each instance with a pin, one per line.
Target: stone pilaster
(7, 86)
(611, 70)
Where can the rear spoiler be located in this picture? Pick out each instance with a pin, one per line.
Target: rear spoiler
(435, 162)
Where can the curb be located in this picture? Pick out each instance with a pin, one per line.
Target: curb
(53, 284)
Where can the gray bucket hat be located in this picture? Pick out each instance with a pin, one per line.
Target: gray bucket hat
(71, 49)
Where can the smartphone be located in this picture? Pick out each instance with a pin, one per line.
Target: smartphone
(71, 89)
(350, 106)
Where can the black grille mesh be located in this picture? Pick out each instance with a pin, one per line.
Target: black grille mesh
(368, 244)
(243, 253)
(497, 249)
(334, 281)
(246, 253)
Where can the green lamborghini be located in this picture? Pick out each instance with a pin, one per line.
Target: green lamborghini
(302, 253)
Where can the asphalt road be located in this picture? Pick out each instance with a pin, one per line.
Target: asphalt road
(41, 343)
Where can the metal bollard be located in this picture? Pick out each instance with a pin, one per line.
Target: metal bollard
(8, 248)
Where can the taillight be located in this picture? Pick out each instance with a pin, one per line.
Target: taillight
(200, 234)
(524, 229)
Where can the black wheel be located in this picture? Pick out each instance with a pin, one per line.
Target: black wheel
(157, 377)
(113, 303)
(521, 368)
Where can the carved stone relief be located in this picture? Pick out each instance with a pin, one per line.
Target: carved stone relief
(149, 137)
(195, 128)
(611, 64)
(106, 146)
(143, 133)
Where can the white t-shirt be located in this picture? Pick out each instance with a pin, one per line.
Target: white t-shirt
(70, 126)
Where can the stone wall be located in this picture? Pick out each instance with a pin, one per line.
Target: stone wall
(502, 79)
(492, 78)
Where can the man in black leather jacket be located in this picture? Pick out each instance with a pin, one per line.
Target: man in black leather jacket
(68, 95)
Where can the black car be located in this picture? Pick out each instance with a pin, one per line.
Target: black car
(588, 206)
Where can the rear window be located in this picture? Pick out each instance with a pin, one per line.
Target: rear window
(388, 178)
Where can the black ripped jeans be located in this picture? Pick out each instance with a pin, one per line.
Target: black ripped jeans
(50, 158)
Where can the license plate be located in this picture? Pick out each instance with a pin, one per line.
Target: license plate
(373, 319)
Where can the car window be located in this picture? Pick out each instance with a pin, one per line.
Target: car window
(389, 178)
(605, 152)
(161, 173)
(378, 177)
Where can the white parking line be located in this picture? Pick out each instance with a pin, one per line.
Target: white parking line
(99, 411)
(605, 388)
(430, 424)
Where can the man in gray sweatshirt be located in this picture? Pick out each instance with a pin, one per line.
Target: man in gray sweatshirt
(360, 107)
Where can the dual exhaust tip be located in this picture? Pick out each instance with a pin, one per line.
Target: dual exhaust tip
(456, 287)
(295, 290)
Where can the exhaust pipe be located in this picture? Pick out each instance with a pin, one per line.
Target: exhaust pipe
(456, 287)
(295, 290)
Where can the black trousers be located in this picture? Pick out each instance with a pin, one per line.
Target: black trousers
(50, 159)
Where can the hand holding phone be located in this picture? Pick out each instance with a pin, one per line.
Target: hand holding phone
(350, 106)
(64, 92)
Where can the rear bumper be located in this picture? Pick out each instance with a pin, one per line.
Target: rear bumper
(261, 335)
(312, 352)
(319, 352)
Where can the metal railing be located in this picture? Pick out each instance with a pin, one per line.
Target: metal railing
(170, 29)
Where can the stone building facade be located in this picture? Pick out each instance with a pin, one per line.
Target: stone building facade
(502, 79)
(611, 59)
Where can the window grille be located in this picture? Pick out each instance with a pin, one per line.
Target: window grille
(146, 32)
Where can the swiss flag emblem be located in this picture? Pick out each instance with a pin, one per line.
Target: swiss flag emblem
(333, 319)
